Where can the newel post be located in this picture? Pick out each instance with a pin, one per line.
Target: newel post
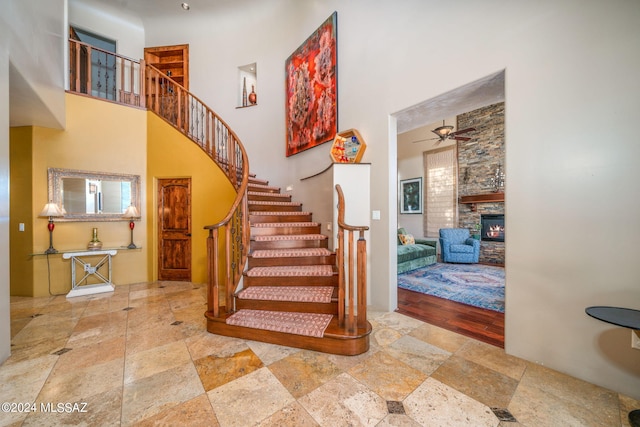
(213, 303)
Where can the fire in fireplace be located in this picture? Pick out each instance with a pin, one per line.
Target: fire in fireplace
(492, 227)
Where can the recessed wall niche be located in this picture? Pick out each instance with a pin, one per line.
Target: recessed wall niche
(247, 85)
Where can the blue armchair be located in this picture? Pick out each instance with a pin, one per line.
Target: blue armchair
(457, 246)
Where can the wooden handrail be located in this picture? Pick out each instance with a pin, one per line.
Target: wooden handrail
(116, 78)
(355, 289)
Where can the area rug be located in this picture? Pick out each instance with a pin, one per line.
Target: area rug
(473, 284)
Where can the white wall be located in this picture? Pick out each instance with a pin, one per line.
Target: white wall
(5, 320)
(567, 74)
(34, 33)
(111, 22)
(572, 100)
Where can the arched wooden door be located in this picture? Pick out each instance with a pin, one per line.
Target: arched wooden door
(174, 229)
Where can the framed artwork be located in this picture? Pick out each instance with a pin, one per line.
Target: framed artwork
(411, 196)
(311, 90)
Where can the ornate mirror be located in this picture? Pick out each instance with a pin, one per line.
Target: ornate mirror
(93, 196)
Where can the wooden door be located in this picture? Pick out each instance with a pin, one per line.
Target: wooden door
(174, 229)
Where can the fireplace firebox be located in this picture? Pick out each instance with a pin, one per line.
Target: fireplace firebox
(492, 227)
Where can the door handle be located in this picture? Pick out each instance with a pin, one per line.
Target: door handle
(187, 234)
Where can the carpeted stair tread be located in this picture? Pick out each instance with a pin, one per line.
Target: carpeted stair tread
(291, 270)
(267, 202)
(278, 237)
(263, 186)
(262, 193)
(276, 213)
(308, 324)
(321, 294)
(290, 253)
(285, 224)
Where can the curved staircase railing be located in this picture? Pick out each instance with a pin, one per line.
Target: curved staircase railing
(228, 241)
(116, 78)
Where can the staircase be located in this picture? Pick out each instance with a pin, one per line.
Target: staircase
(295, 292)
(290, 292)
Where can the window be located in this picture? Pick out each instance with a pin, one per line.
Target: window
(103, 63)
(440, 170)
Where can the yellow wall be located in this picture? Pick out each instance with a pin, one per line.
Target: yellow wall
(172, 155)
(105, 137)
(102, 137)
(22, 211)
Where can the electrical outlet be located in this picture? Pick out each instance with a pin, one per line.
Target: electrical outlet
(328, 226)
(635, 339)
(375, 214)
(21, 226)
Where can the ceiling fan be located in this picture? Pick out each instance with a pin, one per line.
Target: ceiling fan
(446, 132)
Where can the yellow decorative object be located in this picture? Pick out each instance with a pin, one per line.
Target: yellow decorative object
(348, 147)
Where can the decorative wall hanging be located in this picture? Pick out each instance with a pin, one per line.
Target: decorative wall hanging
(311, 85)
(347, 147)
(411, 196)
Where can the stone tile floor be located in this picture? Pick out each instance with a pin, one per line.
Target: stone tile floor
(141, 356)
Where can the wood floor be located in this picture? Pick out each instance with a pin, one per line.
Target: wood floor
(483, 325)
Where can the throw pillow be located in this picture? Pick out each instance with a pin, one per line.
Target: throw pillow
(407, 239)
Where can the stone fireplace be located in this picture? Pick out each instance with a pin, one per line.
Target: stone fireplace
(478, 161)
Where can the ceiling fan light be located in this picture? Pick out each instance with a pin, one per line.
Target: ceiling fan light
(443, 130)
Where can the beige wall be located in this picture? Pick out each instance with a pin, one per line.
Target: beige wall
(172, 155)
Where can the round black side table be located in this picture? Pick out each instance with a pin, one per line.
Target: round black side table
(627, 318)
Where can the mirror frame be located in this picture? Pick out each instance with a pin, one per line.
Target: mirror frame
(56, 175)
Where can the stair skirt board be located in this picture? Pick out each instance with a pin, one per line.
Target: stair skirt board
(321, 294)
(290, 253)
(291, 270)
(309, 324)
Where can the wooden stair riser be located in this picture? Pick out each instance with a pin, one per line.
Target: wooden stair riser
(254, 180)
(269, 197)
(292, 306)
(290, 280)
(275, 208)
(282, 230)
(290, 244)
(257, 219)
(278, 261)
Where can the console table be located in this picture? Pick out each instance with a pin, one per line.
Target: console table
(103, 284)
(627, 318)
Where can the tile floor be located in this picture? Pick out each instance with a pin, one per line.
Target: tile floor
(141, 356)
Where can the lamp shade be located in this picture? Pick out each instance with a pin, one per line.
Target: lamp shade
(51, 209)
(131, 212)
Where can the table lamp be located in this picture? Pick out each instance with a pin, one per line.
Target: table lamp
(131, 213)
(51, 210)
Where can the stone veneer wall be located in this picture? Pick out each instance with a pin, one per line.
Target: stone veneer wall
(477, 163)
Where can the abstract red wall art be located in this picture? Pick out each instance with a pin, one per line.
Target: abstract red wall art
(312, 90)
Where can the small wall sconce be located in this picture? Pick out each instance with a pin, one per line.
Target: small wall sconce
(51, 210)
(131, 213)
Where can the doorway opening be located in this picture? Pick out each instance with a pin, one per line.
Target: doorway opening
(476, 164)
